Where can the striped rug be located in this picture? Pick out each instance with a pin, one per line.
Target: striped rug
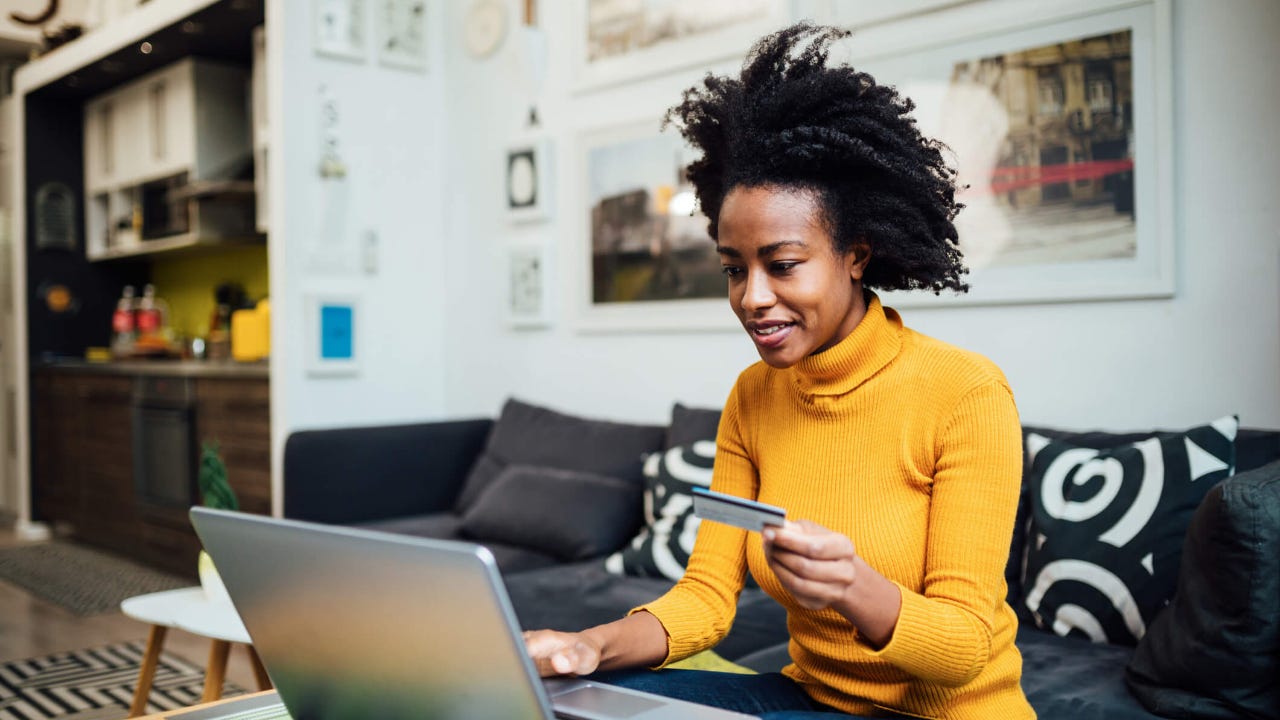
(95, 684)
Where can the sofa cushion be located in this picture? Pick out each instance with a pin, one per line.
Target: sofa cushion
(443, 526)
(446, 525)
(661, 548)
(1215, 652)
(1016, 562)
(570, 514)
(516, 559)
(689, 425)
(1107, 526)
(1067, 678)
(577, 596)
(1254, 448)
(530, 435)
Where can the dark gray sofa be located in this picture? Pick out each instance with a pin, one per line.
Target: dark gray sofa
(414, 478)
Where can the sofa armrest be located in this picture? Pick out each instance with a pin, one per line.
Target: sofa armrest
(360, 474)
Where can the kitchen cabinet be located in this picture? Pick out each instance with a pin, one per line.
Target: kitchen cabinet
(168, 131)
(99, 145)
(235, 413)
(82, 440)
(86, 458)
(55, 434)
(106, 511)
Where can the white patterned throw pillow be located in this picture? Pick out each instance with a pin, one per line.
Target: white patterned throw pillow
(665, 541)
(1107, 526)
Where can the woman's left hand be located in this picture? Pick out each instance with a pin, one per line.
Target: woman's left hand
(816, 565)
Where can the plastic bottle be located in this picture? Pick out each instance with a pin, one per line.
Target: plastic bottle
(123, 329)
(148, 314)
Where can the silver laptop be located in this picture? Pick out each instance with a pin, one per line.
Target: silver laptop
(358, 624)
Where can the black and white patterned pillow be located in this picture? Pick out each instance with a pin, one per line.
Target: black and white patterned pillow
(1107, 526)
(662, 547)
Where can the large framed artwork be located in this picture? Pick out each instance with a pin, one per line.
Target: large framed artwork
(621, 40)
(858, 15)
(1059, 126)
(645, 260)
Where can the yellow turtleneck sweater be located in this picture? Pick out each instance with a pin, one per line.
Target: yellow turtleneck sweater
(911, 448)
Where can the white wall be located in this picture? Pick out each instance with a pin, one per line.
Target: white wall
(1213, 348)
(389, 135)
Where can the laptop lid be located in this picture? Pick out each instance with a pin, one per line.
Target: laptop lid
(359, 624)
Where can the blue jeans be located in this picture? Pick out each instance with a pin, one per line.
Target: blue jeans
(772, 696)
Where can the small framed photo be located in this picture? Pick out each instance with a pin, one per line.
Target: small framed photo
(332, 335)
(528, 180)
(402, 33)
(341, 29)
(528, 286)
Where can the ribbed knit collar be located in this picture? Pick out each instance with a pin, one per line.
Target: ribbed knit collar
(843, 367)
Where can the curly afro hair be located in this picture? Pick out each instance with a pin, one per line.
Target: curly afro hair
(792, 122)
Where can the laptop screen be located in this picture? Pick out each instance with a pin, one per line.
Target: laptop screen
(353, 624)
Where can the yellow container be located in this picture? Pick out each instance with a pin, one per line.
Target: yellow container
(251, 333)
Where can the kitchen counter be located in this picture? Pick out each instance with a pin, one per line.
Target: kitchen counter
(116, 446)
(167, 368)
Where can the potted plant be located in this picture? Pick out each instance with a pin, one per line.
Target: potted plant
(215, 492)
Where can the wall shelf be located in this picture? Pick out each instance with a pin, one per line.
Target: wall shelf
(178, 244)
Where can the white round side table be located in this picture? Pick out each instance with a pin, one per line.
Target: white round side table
(189, 609)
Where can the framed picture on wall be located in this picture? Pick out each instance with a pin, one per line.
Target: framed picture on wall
(621, 41)
(644, 259)
(529, 286)
(332, 325)
(1059, 127)
(528, 179)
(858, 15)
(402, 33)
(341, 29)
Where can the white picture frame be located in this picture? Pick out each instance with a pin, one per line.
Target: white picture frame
(859, 15)
(922, 55)
(528, 179)
(699, 46)
(341, 29)
(402, 27)
(621, 160)
(529, 283)
(332, 335)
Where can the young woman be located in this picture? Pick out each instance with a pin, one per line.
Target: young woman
(899, 456)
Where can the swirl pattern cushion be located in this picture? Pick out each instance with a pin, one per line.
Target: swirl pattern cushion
(1107, 526)
(662, 546)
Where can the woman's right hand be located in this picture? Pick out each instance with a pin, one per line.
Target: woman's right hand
(562, 653)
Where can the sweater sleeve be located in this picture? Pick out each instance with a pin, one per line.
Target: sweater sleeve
(943, 634)
(698, 612)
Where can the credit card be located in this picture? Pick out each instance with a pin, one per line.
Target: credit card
(736, 511)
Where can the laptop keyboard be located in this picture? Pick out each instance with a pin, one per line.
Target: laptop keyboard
(264, 707)
(272, 712)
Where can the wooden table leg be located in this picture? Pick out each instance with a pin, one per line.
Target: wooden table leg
(216, 671)
(147, 673)
(259, 672)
